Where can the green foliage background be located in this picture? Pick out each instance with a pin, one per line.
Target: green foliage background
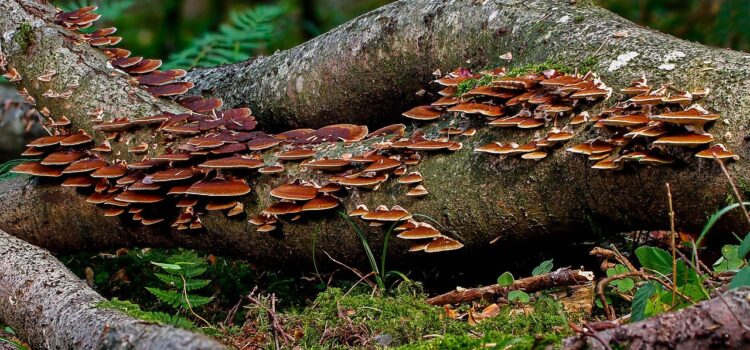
(180, 30)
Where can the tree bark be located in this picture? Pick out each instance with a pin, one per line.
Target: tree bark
(52, 308)
(474, 197)
(721, 322)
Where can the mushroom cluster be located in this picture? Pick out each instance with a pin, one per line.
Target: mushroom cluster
(428, 239)
(651, 127)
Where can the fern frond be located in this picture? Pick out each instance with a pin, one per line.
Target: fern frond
(234, 42)
(169, 297)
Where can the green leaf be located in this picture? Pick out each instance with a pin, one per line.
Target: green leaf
(655, 259)
(640, 301)
(729, 260)
(544, 267)
(519, 296)
(744, 247)
(741, 279)
(167, 267)
(506, 279)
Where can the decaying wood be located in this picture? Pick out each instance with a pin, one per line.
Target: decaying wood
(559, 278)
(476, 198)
(721, 322)
(51, 308)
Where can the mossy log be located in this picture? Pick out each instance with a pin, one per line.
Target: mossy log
(52, 308)
(375, 64)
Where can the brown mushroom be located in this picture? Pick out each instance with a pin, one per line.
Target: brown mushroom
(422, 231)
(689, 139)
(717, 151)
(110, 172)
(442, 244)
(139, 197)
(417, 192)
(219, 188)
(234, 162)
(36, 169)
(295, 192)
(324, 202)
(423, 113)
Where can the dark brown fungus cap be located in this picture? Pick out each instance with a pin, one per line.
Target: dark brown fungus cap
(295, 192)
(219, 188)
(36, 169)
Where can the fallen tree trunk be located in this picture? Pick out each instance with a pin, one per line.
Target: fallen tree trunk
(720, 322)
(52, 308)
(475, 198)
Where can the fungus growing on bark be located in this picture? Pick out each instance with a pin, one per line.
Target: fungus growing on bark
(171, 89)
(688, 139)
(80, 138)
(442, 244)
(234, 162)
(717, 151)
(360, 210)
(283, 208)
(220, 204)
(62, 158)
(295, 192)
(78, 181)
(393, 129)
(417, 192)
(199, 104)
(423, 113)
(327, 164)
(36, 169)
(323, 202)
(238, 209)
(142, 197)
(477, 108)
(421, 231)
(12, 75)
(219, 188)
(83, 166)
(271, 169)
(296, 154)
(383, 164)
(382, 213)
(170, 175)
(110, 172)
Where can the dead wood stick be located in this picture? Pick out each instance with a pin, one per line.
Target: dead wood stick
(560, 278)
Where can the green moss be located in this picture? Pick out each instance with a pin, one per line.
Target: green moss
(589, 64)
(25, 36)
(404, 319)
(579, 18)
(133, 310)
(539, 67)
(470, 84)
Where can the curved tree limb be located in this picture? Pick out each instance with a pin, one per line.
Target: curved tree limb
(474, 197)
(52, 308)
(718, 322)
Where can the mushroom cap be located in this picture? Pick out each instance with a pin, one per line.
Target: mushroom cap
(32, 152)
(200, 104)
(423, 231)
(514, 82)
(175, 174)
(559, 136)
(237, 210)
(423, 113)
(560, 81)
(536, 155)
(186, 202)
(607, 164)
(719, 151)
(412, 178)
(141, 186)
(266, 228)
(689, 139)
(113, 211)
(296, 154)
(171, 89)
(295, 192)
(626, 120)
(338, 132)
(220, 204)
(271, 169)
(647, 131)
(110, 171)
(359, 211)
(430, 145)
(417, 191)
(509, 121)
(219, 188)
(324, 202)
(62, 158)
(36, 169)
(151, 221)
(327, 164)
(139, 197)
(234, 162)
(393, 214)
(283, 208)
(418, 247)
(361, 181)
(262, 143)
(330, 188)
(46, 141)
(393, 129)
(687, 117)
(477, 108)
(442, 244)
(590, 93)
(655, 159)
(78, 181)
(383, 164)
(647, 99)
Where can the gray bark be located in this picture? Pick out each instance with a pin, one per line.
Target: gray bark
(718, 323)
(475, 197)
(52, 308)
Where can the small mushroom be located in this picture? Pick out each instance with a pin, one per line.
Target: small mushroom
(295, 192)
(422, 231)
(323, 202)
(417, 192)
(36, 169)
(718, 151)
(219, 188)
(442, 244)
(359, 211)
(423, 113)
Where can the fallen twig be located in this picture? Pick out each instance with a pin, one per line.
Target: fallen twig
(560, 278)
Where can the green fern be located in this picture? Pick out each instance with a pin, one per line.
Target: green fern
(180, 274)
(246, 32)
(134, 310)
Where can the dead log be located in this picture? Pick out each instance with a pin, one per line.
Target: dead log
(51, 308)
(475, 198)
(559, 278)
(721, 322)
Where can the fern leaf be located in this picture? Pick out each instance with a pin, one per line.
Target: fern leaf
(234, 42)
(171, 298)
